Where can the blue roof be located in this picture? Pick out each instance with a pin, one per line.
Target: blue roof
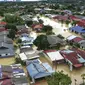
(37, 70)
(78, 29)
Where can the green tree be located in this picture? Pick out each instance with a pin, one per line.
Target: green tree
(41, 42)
(58, 78)
(11, 26)
(12, 34)
(47, 29)
(29, 23)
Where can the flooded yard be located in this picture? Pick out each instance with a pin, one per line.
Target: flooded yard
(7, 61)
(75, 74)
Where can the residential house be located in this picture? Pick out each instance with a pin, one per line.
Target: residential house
(78, 40)
(6, 50)
(74, 57)
(22, 29)
(28, 53)
(77, 29)
(26, 40)
(37, 69)
(37, 27)
(53, 40)
(2, 24)
(12, 75)
(54, 56)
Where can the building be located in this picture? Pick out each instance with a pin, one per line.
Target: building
(74, 57)
(6, 50)
(37, 69)
(54, 56)
(53, 40)
(77, 29)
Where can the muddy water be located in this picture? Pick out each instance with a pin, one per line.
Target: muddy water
(75, 74)
(7, 61)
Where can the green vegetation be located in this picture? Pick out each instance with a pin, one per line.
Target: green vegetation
(58, 78)
(41, 42)
(13, 19)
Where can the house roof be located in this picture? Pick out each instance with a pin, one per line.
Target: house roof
(72, 17)
(19, 27)
(78, 29)
(71, 37)
(6, 50)
(19, 80)
(60, 17)
(23, 56)
(77, 39)
(37, 70)
(3, 23)
(53, 39)
(81, 22)
(5, 82)
(54, 55)
(73, 56)
(6, 69)
(37, 26)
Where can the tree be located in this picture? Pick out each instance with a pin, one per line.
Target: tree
(29, 23)
(74, 23)
(47, 29)
(12, 34)
(13, 19)
(40, 21)
(11, 26)
(19, 41)
(67, 22)
(41, 42)
(58, 78)
(60, 36)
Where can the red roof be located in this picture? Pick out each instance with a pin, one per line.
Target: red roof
(3, 29)
(60, 17)
(40, 26)
(77, 39)
(74, 18)
(81, 23)
(5, 82)
(72, 57)
(47, 51)
(25, 30)
(3, 23)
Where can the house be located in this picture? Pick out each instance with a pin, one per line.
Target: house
(37, 27)
(26, 39)
(6, 50)
(77, 29)
(12, 75)
(37, 69)
(2, 29)
(53, 40)
(19, 80)
(3, 32)
(81, 23)
(22, 29)
(82, 44)
(54, 56)
(74, 57)
(28, 53)
(2, 24)
(5, 39)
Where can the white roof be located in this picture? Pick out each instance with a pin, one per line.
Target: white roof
(23, 56)
(55, 55)
(71, 37)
